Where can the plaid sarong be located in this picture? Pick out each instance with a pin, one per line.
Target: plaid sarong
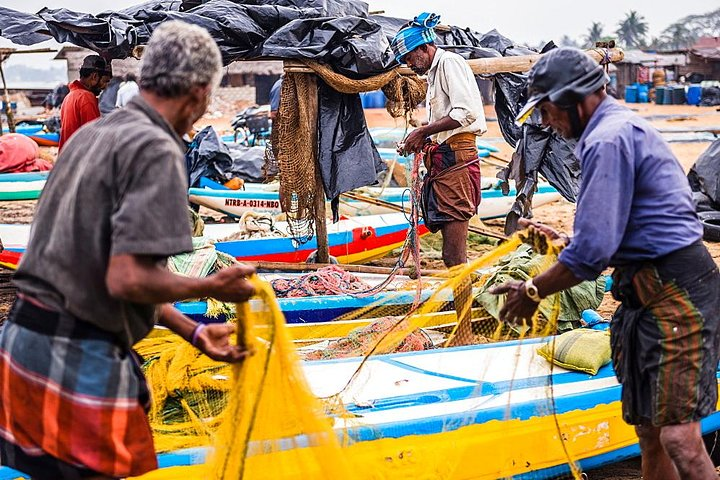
(665, 337)
(72, 401)
(451, 188)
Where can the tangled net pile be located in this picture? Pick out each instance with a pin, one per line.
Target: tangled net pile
(255, 225)
(265, 420)
(296, 133)
(330, 280)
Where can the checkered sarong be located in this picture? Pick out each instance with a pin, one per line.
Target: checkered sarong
(72, 402)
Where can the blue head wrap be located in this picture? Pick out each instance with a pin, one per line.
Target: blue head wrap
(419, 32)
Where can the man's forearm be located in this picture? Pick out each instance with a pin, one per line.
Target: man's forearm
(443, 125)
(142, 280)
(555, 279)
(171, 318)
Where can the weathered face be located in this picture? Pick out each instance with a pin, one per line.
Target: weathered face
(104, 80)
(94, 83)
(194, 107)
(419, 60)
(556, 118)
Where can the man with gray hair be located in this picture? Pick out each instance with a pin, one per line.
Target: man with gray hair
(93, 281)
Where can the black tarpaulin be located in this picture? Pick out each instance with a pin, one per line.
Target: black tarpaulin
(207, 156)
(22, 28)
(704, 176)
(347, 156)
(355, 47)
(337, 32)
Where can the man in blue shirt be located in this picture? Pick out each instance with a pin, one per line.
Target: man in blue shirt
(275, 97)
(634, 213)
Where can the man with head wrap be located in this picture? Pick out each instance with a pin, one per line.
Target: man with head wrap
(451, 188)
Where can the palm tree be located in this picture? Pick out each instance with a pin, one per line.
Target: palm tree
(594, 35)
(678, 37)
(632, 30)
(567, 41)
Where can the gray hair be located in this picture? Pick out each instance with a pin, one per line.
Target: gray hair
(178, 57)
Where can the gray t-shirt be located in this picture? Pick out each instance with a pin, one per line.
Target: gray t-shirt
(118, 187)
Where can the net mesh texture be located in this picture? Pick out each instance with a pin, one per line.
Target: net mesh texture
(288, 412)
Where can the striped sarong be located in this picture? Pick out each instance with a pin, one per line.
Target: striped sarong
(665, 337)
(451, 188)
(72, 402)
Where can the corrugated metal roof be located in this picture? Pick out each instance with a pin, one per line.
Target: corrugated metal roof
(655, 59)
(256, 67)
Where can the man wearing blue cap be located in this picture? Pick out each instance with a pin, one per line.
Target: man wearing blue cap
(634, 213)
(451, 188)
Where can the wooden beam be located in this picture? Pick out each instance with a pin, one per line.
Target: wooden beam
(8, 108)
(262, 266)
(6, 52)
(323, 250)
(489, 66)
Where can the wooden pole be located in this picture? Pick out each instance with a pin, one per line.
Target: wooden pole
(489, 66)
(6, 94)
(323, 251)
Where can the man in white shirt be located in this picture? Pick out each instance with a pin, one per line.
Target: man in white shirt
(127, 90)
(451, 188)
(451, 193)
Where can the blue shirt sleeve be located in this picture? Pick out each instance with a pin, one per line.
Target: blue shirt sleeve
(603, 208)
(275, 95)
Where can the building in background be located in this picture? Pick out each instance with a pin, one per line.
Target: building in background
(243, 84)
(704, 59)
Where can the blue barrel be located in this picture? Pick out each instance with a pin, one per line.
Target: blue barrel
(380, 99)
(694, 94)
(631, 94)
(679, 97)
(642, 94)
(365, 99)
(668, 96)
(659, 94)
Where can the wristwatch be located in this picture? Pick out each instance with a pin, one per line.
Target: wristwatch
(532, 292)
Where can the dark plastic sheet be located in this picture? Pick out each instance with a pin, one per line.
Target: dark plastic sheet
(704, 176)
(207, 156)
(347, 155)
(337, 32)
(22, 28)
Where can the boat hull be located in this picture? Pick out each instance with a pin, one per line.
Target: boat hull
(265, 199)
(356, 240)
(481, 412)
(22, 186)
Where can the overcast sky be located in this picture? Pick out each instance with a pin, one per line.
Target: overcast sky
(524, 21)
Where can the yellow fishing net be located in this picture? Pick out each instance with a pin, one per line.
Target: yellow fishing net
(368, 415)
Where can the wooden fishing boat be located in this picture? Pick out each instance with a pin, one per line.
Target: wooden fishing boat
(353, 240)
(38, 134)
(22, 186)
(45, 139)
(494, 410)
(317, 309)
(264, 198)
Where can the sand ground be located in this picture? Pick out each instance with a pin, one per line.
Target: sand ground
(558, 215)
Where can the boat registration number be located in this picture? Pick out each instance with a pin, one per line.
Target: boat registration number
(235, 202)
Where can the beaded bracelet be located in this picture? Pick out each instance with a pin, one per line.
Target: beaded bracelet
(196, 333)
